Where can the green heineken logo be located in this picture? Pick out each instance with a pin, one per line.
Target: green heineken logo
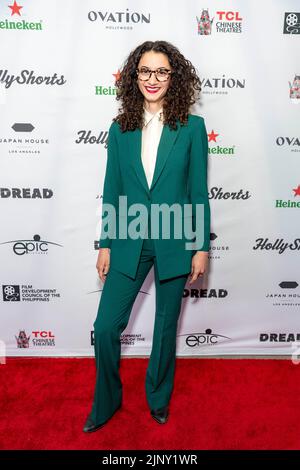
(283, 204)
(218, 149)
(17, 23)
(108, 90)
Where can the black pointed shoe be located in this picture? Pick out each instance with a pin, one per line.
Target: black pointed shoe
(90, 426)
(161, 414)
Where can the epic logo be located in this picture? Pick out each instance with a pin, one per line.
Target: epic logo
(36, 246)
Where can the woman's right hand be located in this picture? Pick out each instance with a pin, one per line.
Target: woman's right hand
(103, 263)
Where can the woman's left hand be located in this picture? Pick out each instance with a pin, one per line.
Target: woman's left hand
(199, 265)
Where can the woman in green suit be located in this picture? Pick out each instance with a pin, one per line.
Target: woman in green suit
(156, 164)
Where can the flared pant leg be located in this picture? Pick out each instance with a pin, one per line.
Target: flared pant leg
(160, 373)
(115, 306)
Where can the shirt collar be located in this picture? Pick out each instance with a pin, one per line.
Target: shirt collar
(148, 116)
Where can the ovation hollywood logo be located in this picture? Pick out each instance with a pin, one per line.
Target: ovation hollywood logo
(28, 293)
(34, 246)
(289, 142)
(18, 144)
(218, 149)
(288, 203)
(28, 77)
(226, 22)
(119, 19)
(221, 85)
(17, 23)
(206, 338)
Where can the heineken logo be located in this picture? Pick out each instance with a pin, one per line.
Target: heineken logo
(16, 22)
(218, 149)
(108, 89)
(288, 203)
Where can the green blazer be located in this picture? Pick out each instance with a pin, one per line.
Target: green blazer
(180, 177)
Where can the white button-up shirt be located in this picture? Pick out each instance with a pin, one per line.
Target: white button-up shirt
(151, 134)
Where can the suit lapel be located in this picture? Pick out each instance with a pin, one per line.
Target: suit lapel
(167, 140)
(166, 143)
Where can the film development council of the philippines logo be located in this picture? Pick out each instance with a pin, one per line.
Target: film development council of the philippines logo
(291, 23)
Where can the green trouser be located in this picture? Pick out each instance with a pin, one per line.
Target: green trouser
(116, 302)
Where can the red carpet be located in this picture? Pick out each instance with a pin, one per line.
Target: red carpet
(216, 404)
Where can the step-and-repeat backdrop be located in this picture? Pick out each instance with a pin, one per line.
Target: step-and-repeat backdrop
(58, 66)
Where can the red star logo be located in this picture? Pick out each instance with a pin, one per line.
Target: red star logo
(297, 191)
(117, 75)
(212, 136)
(15, 9)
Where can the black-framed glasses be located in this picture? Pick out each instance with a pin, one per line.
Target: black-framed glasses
(162, 74)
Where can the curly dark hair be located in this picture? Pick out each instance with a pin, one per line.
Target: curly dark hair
(184, 89)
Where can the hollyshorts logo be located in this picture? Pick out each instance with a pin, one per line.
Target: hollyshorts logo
(217, 249)
(28, 293)
(202, 339)
(34, 246)
(38, 339)
(294, 88)
(287, 203)
(218, 149)
(279, 245)
(126, 339)
(221, 85)
(291, 24)
(205, 293)
(15, 21)
(23, 140)
(87, 137)
(292, 143)
(108, 90)
(226, 22)
(220, 194)
(119, 20)
(288, 295)
(28, 77)
(26, 193)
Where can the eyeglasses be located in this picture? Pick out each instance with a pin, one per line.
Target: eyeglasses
(161, 74)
